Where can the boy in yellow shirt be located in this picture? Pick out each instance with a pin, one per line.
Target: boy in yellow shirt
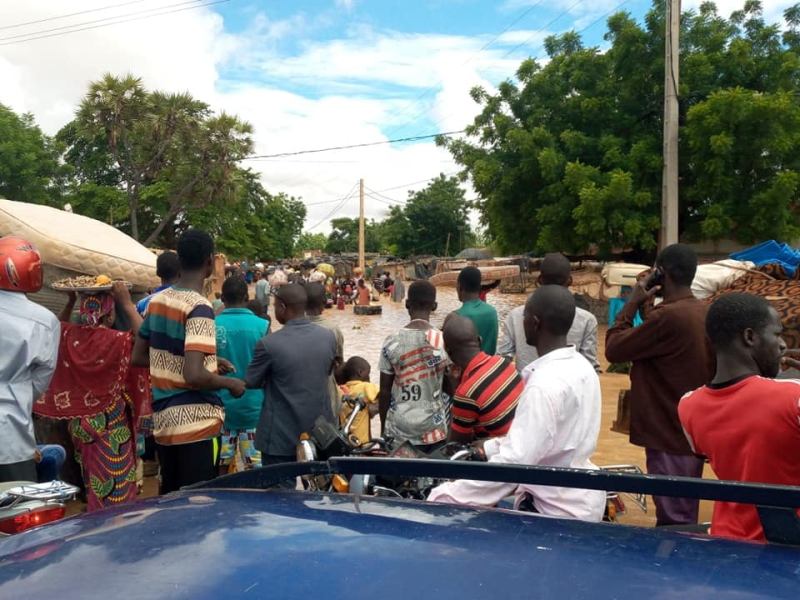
(355, 375)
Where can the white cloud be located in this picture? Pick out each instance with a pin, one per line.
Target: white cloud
(346, 4)
(773, 9)
(362, 87)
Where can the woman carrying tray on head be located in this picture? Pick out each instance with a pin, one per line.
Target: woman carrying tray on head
(104, 397)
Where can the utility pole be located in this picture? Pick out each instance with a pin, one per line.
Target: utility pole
(669, 190)
(447, 247)
(361, 260)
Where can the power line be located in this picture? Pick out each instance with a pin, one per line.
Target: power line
(336, 209)
(364, 145)
(540, 30)
(486, 46)
(75, 14)
(111, 21)
(384, 196)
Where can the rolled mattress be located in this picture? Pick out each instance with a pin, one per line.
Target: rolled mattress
(80, 244)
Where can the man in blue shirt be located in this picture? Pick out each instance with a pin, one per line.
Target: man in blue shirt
(168, 269)
(238, 333)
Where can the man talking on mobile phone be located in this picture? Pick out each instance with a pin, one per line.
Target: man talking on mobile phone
(670, 356)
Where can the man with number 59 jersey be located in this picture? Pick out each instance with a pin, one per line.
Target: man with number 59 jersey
(413, 406)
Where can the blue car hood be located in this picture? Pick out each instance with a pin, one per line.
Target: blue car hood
(267, 544)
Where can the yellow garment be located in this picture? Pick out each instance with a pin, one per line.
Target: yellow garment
(369, 393)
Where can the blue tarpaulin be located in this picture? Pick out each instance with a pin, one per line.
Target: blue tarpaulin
(771, 252)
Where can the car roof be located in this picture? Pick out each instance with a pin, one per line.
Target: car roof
(209, 543)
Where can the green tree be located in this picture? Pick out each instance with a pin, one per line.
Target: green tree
(29, 165)
(310, 241)
(256, 225)
(434, 220)
(168, 153)
(344, 236)
(568, 155)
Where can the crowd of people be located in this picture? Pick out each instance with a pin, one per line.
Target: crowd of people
(217, 387)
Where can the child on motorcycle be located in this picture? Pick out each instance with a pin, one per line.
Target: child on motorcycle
(353, 380)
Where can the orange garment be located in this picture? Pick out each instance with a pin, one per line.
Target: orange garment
(363, 296)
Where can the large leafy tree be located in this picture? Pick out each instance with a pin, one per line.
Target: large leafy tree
(568, 155)
(29, 160)
(167, 153)
(434, 220)
(256, 225)
(310, 241)
(343, 237)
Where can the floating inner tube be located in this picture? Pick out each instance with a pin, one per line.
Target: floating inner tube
(376, 309)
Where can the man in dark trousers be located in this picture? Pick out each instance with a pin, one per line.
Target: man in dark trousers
(293, 366)
(670, 356)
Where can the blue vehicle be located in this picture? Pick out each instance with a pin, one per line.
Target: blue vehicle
(232, 538)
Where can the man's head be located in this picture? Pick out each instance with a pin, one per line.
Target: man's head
(548, 315)
(168, 267)
(421, 299)
(555, 270)
(746, 328)
(461, 339)
(257, 308)
(196, 252)
(678, 263)
(234, 292)
(355, 369)
(290, 302)
(468, 284)
(316, 298)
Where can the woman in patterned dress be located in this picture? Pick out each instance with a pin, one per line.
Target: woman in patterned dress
(105, 399)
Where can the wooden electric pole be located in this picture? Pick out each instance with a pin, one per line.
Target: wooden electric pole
(361, 260)
(669, 190)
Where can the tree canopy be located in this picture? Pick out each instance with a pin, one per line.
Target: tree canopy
(29, 160)
(568, 156)
(433, 220)
(165, 154)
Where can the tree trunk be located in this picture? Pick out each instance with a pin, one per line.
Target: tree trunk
(133, 206)
(168, 218)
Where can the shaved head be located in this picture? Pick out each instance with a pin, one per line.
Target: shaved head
(555, 270)
(293, 294)
(316, 297)
(461, 339)
(554, 308)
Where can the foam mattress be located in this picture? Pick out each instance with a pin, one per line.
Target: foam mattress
(77, 243)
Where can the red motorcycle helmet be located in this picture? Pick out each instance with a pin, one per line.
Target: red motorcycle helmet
(20, 266)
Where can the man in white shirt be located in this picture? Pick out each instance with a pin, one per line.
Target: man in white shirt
(555, 270)
(29, 338)
(557, 421)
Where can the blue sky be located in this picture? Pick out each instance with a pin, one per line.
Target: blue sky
(306, 74)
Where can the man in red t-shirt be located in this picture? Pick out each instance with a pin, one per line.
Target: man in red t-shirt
(487, 386)
(744, 421)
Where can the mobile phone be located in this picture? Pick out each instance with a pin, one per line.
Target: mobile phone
(657, 278)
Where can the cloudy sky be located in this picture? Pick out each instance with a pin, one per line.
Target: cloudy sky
(306, 73)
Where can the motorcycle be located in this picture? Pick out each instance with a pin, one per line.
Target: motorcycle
(325, 441)
(24, 505)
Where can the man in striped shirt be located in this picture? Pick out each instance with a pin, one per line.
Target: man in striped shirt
(487, 386)
(178, 341)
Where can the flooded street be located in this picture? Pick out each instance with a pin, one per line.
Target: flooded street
(364, 335)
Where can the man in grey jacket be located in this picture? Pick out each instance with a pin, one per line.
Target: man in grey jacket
(293, 366)
(555, 270)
